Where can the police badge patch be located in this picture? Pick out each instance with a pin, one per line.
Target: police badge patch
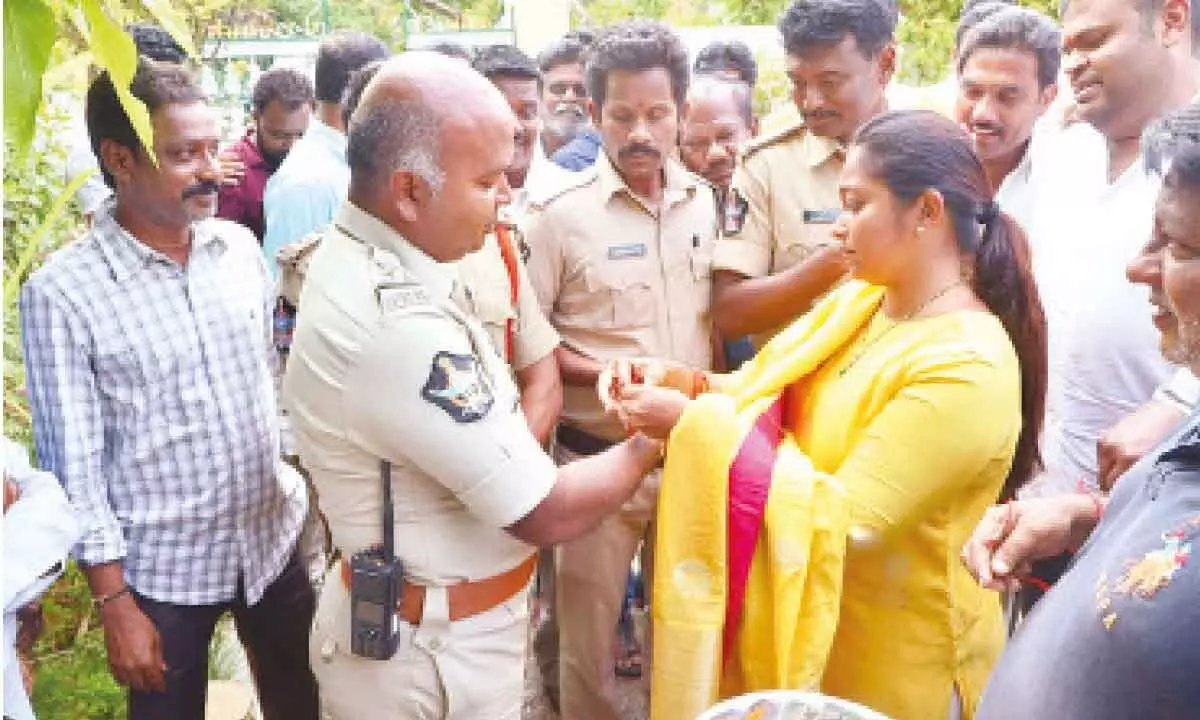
(522, 246)
(456, 385)
(733, 215)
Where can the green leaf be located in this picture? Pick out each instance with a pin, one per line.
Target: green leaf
(37, 243)
(29, 32)
(172, 21)
(114, 51)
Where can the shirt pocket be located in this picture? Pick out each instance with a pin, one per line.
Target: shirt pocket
(622, 295)
(796, 240)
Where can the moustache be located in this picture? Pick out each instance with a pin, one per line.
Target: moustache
(204, 187)
(575, 111)
(631, 150)
(819, 115)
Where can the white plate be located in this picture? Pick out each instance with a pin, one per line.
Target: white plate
(789, 705)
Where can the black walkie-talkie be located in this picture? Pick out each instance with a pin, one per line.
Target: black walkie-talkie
(376, 581)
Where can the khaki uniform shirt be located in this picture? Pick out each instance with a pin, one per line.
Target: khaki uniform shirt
(620, 279)
(488, 291)
(384, 365)
(785, 202)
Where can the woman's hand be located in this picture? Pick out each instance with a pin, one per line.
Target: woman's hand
(619, 375)
(653, 411)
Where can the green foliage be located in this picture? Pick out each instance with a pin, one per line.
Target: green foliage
(34, 185)
(72, 680)
(30, 29)
(28, 38)
(926, 33)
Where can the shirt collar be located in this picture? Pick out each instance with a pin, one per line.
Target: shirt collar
(680, 184)
(251, 151)
(819, 150)
(438, 278)
(126, 255)
(331, 138)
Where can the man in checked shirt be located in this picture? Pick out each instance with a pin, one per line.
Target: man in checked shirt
(147, 348)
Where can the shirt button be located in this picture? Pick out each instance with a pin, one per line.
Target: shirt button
(435, 644)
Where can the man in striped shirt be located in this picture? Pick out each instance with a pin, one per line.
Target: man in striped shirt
(147, 348)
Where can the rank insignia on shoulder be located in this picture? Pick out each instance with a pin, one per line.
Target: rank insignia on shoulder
(456, 385)
(733, 215)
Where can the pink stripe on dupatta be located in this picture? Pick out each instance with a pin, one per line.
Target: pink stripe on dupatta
(749, 482)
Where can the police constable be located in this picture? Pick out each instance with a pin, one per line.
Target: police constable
(386, 370)
(497, 284)
(776, 256)
(621, 263)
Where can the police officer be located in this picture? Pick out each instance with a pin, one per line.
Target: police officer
(776, 256)
(385, 366)
(621, 263)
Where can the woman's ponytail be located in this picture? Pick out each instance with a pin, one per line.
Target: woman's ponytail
(1003, 280)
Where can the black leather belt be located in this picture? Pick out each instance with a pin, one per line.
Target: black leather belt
(580, 442)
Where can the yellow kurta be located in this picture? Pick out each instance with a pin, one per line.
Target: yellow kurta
(896, 440)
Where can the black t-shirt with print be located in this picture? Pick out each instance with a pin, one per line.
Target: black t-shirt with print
(1119, 635)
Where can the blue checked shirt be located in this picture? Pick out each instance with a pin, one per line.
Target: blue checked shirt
(154, 405)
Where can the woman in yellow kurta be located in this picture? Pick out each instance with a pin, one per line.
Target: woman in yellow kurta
(814, 503)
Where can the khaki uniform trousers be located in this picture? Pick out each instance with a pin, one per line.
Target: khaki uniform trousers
(473, 669)
(592, 572)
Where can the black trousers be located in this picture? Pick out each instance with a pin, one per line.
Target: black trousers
(274, 632)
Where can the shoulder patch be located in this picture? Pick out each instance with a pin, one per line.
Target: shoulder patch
(456, 385)
(571, 181)
(796, 129)
(733, 212)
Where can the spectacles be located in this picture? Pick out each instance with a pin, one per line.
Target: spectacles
(560, 88)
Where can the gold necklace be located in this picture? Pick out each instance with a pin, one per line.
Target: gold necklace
(896, 323)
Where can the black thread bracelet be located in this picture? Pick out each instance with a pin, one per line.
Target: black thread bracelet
(103, 600)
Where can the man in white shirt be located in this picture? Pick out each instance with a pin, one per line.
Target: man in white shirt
(1007, 77)
(1128, 63)
(39, 530)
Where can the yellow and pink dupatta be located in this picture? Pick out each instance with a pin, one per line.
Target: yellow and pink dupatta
(751, 538)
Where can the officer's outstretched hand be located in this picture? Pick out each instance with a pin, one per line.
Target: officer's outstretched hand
(650, 410)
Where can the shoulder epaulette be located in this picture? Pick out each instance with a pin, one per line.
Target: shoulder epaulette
(572, 181)
(773, 138)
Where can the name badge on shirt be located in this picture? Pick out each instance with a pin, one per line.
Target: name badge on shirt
(821, 217)
(625, 252)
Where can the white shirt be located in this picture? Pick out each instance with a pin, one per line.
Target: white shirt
(1105, 359)
(1016, 194)
(39, 529)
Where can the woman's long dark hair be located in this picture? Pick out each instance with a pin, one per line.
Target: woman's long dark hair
(914, 151)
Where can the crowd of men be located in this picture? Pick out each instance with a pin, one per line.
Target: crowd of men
(422, 263)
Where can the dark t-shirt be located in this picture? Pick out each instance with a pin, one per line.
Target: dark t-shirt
(1119, 636)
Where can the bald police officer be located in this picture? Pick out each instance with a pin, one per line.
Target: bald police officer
(386, 368)
(621, 263)
(776, 256)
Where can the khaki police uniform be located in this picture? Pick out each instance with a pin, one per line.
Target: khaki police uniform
(783, 204)
(519, 331)
(617, 278)
(386, 366)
